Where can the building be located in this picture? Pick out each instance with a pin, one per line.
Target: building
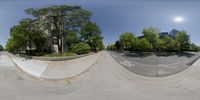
(173, 33)
(140, 37)
(163, 34)
(53, 42)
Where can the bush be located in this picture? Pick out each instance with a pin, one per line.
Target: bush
(1, 48)
(61, 54)
(144, 45)
(80, 48)
(111, 47)
(194, 47)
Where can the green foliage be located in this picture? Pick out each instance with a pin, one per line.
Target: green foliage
(118, 46)
(144, 45)
(152, 42)
(127, 40)
(176, 46)
(9, 45)
(61, 54)
(168, 43)
(161, 45)
(151, 34)
(194, 47)
(80, 48)
(71, 38)
(91, 34)
(111, 47)
(184, 40)
(64, 18)
(1, 48)
(23, 36)
(101, 46)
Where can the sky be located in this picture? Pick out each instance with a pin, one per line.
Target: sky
(115, 17)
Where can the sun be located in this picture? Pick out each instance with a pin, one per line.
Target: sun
(178, 19)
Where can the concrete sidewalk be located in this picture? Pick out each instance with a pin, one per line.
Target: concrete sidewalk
(5, 61)
(56, 70)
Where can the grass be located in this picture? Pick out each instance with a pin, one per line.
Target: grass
(60, 54)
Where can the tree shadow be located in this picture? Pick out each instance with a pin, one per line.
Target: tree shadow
(186, 54)
(159, 54)
(138, 54)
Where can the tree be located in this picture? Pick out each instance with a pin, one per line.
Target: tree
(1, 48)
(80, 48)
(127, 40)
(63, 18)
(176, 46)
(11, 45)
(91, 34)
(151, 34)
(118, 45)
(111, 47)
(24, 36)
(161, 45)
(144, 45)
(168, 43)
(194, 47)
(183, 39)
(71, 38)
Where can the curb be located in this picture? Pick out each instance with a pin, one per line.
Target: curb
(69, 79)
(55, 58)
(19, 68)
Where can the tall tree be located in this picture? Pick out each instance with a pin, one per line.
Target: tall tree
(127, 40)
(184, 40)
(23, 36)
(1, 47)
(118, 45)
(151, 34)
(144, 45)
(58, 20)
(91, 34)
(168, 43)
(71, 38)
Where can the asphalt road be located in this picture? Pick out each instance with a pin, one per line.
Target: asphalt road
(106, 81)
(155, 66)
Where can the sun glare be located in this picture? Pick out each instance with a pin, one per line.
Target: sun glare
(178, 19)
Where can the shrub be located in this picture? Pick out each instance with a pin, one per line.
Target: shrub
(144, 45)
(60, 54)
(1, 48)
(80, 48)
(111, 47)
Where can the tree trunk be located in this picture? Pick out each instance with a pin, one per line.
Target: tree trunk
(30, 47)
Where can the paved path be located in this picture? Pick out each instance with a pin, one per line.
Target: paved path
(106, 81)
(55, 70)
(155, 66)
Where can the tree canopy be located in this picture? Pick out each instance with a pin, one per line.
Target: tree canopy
(183, 39)
(127, 40)
(151, 41)
(1, 47)
(91, 34)
(151, 34)
(62, 25)
(23, 36)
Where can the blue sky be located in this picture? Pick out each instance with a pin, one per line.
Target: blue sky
(115, 16)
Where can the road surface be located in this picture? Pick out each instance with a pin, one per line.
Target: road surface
(155, 66)
(106, 81)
